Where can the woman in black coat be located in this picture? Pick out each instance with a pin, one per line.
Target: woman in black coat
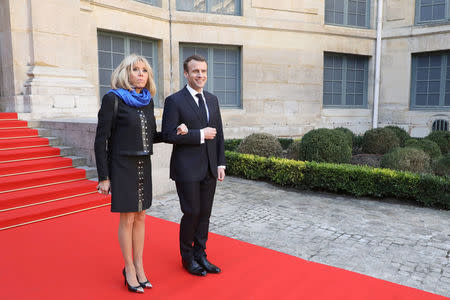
(126, 132)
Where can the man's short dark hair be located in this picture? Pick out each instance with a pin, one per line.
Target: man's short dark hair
(192, 57)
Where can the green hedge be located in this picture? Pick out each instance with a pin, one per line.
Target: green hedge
(354, 180)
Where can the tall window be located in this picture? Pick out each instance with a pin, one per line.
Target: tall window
(430, 80)
(347, 12)
(151, 2)
(112, 49)
(345, 80)
(432, 11)
(222, 7)
(224, 71)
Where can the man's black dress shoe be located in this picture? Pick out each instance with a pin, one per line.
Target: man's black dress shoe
(209, 267)
(193, 267)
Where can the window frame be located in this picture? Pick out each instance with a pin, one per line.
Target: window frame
(417, 15)
(151, 2)
(238, 11)
(210, 82)
(127, 38)
(345, 56)
(345, 24)
(442, 83)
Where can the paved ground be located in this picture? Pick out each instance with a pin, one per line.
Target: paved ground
(398, 242)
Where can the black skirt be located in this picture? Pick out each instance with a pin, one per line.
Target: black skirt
(131, 183)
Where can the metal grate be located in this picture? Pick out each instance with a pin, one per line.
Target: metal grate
(440, 125)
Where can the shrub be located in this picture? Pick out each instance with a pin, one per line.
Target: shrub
(262, 144)
(428, 146)
(293, 152)
(442, 138)
(232, 144)
(348, 135)
(379, 141)
(285, 142)
(325, 145)
(441, 166)
(401, 133)
(426, 189)
(406, 159)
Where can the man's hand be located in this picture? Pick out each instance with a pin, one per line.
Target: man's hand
(182, 129)
(104, 187)
(210, 133)
(220, 174)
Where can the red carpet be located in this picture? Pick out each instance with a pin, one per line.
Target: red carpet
(78, 257)
(36, 183)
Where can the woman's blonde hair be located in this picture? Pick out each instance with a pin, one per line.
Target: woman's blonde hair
(120, 78)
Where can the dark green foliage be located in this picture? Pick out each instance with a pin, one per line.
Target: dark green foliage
(401, 133)
(407, 159)
(325, 145)
(293, 151)
(232, 144)
(357, 144)
(262, 144)
(441, 166)
(379, 141)
(285, 142)
(442, 138)
(348, 135)
(428, 146)
(428, 190)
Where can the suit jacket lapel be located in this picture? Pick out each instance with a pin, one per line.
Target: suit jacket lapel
(192, 104)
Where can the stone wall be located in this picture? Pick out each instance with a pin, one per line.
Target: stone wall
(282, 45)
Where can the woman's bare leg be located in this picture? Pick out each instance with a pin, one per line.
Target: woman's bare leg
(138, 244)
(126, 225)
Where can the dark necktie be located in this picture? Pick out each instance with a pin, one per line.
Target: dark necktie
(201, 106)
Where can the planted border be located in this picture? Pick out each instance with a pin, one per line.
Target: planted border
(428, 190)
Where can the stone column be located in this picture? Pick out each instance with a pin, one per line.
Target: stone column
(55, 84)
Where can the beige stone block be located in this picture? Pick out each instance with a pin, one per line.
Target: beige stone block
(305, 74)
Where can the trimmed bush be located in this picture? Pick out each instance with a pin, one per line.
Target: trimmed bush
(262, 144)
(428, 146)
(325, 145)
(407, 159)
(358, 181)
(401, 133)
(442, 138)
(371, 160)
(293, 152)
(285, 142)
(232, 144)
(441, 166)
(348, 135)
(379, 141)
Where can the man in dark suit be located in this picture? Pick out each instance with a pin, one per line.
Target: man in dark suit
(197, 161)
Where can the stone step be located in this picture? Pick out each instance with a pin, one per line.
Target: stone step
(78, 161)
(91, 172)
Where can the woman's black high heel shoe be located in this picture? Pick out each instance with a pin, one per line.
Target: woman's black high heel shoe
(145, 285)
(135, 289)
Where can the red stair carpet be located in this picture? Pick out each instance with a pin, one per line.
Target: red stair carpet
(78, 257)
(36, 182)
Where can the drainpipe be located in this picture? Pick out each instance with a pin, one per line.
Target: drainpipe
(376, 94)
(170, 47)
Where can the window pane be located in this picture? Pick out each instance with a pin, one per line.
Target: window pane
(219, 69)
(118, 45)
(337, 99)
(426, 13)
(435, 73)
(327, 99)
(339, 18)
(105, 77)
(433, 99)
(104, 43)
(352, 7)
(135, 47)
(439, 12)
(219, 55)
(117, 59)
(422, 87)
(147, 49)
(231, 85)
(231, 70)
(219, 84)
(434, 87)
(447, 100)
(351, 19)
(104, 60)
(421, 99)
(359, 99)
(328, 86)
(349, 100)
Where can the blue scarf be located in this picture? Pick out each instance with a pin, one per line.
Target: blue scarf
(132, 98)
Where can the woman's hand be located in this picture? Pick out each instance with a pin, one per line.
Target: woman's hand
(182, 129)
(104, 187)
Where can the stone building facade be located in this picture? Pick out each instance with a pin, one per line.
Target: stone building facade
(283, 66)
